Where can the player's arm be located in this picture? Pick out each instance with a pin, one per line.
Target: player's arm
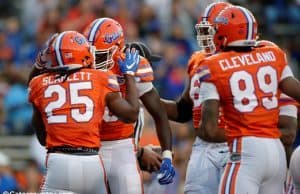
(289, 84)
(151, 101)
(180, 110)
(288, 127)
(210, 103)
(39, 126)
(208, 129)
(126, 109)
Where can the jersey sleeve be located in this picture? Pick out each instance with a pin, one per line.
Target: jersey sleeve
(287, 72)
(191, 64)
(288, 110)
(144, 72)
(194, 62)
(283, 62)
(287, 106)
(108, 80)
(112, 83)
(207, 90)
(32, 90)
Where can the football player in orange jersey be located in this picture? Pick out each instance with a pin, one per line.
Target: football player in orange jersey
(287, 122)
(118, 150)
(295, 170)
(245, 81)
(68, 100)
(208, 156)
(149, 156)
(294, 167)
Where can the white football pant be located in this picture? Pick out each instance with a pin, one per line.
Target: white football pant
(120, 163)
(295, 169)
(67, 173)
(256, 166)
(205, 167)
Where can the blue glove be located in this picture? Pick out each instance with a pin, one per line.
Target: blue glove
(167, 172)
(131, 62)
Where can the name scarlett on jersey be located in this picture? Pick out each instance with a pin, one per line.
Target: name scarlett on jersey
(55, 78)
(247, 59)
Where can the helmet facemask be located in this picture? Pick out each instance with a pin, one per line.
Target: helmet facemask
(205, 37)
(104, 58)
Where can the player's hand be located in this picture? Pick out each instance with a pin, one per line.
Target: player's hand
(167, 172)
(42, 57)
(131, 62)
(150, 161)
(41, 60)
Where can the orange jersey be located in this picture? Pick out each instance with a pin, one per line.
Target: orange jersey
(247, 84)
(72, 110)
(194, 64)
(195, 61)
(113, 128)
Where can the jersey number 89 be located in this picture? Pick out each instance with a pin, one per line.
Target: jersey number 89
(245, 87)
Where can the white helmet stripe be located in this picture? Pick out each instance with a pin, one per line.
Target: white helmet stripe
(207, 11)
(94, 29)
(250, 22)
(57, 48)
(253, 23)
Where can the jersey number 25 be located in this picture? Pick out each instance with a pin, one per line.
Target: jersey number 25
(74, 99)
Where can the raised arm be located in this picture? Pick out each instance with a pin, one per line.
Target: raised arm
(126, 109)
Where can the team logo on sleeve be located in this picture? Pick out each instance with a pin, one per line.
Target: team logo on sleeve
(203, 73)
(113, 83)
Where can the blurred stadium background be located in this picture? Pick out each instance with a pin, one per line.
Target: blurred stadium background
(166, 26)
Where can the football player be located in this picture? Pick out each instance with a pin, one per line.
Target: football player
(208, 156)
(68, 100)
(245, 80)
(287, 122)
(149, 156)
(295, 170)
(118, 150)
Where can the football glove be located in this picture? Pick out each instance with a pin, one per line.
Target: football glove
(167, 172)
(131, 62)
